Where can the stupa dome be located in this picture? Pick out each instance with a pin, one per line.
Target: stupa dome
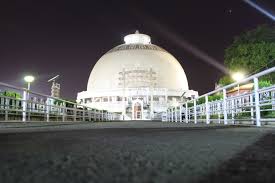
(139, 63)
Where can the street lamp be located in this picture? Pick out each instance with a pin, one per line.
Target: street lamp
(238, 76)
(29, 80)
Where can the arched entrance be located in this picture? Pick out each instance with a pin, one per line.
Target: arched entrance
(137, 110)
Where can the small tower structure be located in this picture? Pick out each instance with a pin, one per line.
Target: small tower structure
(55, 89)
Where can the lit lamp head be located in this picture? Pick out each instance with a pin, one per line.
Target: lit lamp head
(238, 76)
(29, 79)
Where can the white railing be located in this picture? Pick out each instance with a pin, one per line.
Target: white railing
(255, 106)
(33, 106)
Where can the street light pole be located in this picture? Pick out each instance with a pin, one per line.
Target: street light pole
(238, 76)
(28, 80)
(29, 85)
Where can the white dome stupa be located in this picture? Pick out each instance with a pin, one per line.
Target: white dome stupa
(135, 70)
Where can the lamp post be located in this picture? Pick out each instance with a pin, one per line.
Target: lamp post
(238, 76)
(29, 80)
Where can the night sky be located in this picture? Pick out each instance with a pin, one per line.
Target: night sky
(46, 38)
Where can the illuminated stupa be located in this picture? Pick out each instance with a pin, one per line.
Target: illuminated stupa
(137, 79)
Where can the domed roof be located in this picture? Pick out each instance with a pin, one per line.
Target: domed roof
(136, 47)
(137, 63)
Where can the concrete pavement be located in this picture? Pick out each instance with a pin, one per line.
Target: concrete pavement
(123, 152)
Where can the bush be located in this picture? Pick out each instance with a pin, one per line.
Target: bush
(217, 96)
(211, 98)
(269, 114)
(264, 83)
(243, 115)
(11, 94)
(201, 101)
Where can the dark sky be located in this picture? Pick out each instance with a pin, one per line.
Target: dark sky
(46, 38)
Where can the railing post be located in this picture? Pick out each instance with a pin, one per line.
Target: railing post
(257, 103)
(48, 103)
(167, 118)
(63, 111)
(180, 113)
(98, 114)
(29, 106)
(224, 107)
(207, 110)
(111, 116)
(75, 112)
(93, 115)
(7, 108)
(186, 112)
(24, 106)
(90, 115)
(83, 114)
(219, 113)
(176, 114)
(273, 100)
(195, 111)
(232, 110)
(172, 115)
(251, 108)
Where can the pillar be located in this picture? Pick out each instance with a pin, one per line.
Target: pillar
(207, 110)
(24, 106)
(186, 112)
(224, 107)
(195, 111)
(257, 103)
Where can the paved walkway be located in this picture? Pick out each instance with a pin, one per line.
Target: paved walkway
(9, 127)
(125, 152)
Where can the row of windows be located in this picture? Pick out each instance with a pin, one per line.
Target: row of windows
(117, 98)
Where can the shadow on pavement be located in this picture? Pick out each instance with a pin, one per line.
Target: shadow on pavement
(255, 164)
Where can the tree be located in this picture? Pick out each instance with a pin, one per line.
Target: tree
(225, 80)
(251, 52)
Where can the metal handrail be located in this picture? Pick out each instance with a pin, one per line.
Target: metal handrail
(232, 106)
(27, 108)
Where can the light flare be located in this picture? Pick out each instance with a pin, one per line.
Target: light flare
(260, 9)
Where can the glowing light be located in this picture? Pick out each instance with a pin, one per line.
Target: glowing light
(182, 43)
(262, 10)
(238, 76)
(137, 38)
(29, 79)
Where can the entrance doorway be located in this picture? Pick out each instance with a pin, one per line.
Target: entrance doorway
(137, 110)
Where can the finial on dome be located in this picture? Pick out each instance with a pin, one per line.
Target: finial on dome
(137, 38)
